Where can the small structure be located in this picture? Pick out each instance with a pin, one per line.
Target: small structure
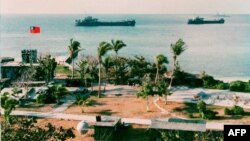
(179, 124)
(105, 129)
(29, 56)
(82, 127)
(6, 59)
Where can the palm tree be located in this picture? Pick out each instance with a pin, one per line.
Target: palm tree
(107, 64)
(159, 60)
(84, 70)
(117, 45)
(83, 101)
(177, 49)
(93, 69)
(103, 48)
(74, 49)
(58, 91)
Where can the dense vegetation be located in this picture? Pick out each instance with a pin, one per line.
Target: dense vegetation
(54, 94)
(204, 112)
(240, 86)
(210, 83)
(236, 110)
(25, 129)
(178, 135)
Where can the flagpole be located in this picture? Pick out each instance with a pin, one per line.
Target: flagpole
(0, 67)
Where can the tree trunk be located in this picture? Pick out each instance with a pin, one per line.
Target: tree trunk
(99, 89)
(147, 104)
(91, 85)
(157, 73)
(58, 100)
(72, 69)
(85, 80)
(172, 75)
(166, 99)
(104, 89)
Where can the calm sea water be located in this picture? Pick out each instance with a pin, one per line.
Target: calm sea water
(221, 50)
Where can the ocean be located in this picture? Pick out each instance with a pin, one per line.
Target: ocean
(222, 50)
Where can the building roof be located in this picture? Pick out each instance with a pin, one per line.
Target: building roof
(108, 122)
(31, 82)
(179, 124)
(17, 64)
(6, 59)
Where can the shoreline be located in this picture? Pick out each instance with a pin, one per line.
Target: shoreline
(233, 78)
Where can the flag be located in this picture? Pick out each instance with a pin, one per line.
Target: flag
(34, 29)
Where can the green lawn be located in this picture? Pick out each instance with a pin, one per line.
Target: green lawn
(63, 70)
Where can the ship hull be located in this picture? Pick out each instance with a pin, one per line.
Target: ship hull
(127, 23)
(206, 22)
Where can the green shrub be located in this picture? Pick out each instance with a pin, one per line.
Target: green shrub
(238, 86)
(210, 83)
(3, 99)
(201, 106)
(209, 114)
(227, 111)
(220, 85)
(247, 87)
(204, 113)
(190, 115)
(41, 99)
(236, 110)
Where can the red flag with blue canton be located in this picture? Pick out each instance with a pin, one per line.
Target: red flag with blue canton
(35, 29)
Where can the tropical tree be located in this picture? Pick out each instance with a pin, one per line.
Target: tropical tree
(159, 60)
(177, 49)
(162, 89)
(74, 48)
(45, 70)
(93, 67)
(84, 70)
(138, 67)
(145, 91)
(117, 45)
(83, 101)
(58, 91)
(103, 48)
(26, 74)
(107, 64)
(119, 70)
(8, 105)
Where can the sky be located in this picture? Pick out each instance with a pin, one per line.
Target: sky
(125, 6)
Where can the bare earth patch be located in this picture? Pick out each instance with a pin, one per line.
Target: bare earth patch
(129, 106)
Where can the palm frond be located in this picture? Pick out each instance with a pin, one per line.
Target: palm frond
(178, 47)
(161, 59)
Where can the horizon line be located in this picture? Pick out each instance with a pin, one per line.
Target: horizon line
(124, 13)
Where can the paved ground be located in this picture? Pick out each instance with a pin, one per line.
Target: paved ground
(67, 101)
(119, 89)
(88, 118)
(210, 96)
